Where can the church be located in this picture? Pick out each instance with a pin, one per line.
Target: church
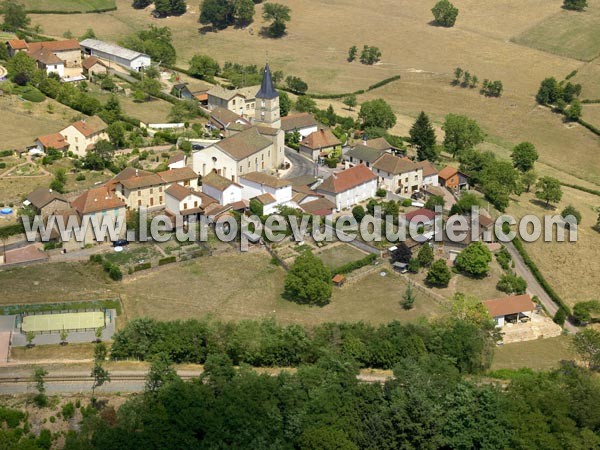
(256, 147)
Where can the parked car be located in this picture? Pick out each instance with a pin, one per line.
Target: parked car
(120, 243)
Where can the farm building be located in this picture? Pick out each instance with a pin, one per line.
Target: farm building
(113, 53)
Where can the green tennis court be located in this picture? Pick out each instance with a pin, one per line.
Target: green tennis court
(65, 321)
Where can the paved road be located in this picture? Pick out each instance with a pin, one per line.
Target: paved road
(301, 165)
(534, 287)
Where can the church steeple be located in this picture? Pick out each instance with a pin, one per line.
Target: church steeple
(267, 88)
(267, 102)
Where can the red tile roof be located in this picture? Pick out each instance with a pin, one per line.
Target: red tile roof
(179, 192)
(420, 212)
(509, 305)
(347, 179)
(18, 44)
(54, 140)
(55, 46)
(320, 139)
(95, 200)
(179, 174)
(428, 168)
(447, 172)
(90, 126)
(90, 62)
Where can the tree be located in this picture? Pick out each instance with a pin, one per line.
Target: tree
(108, 84)
(203, 67)
(305, 104)
(465, 203)
(409, 297)
(462, 134)
(575, 5)
(243, 12)
(156, 42)
(89, 34)
(370, 55)
(21, 68)
(425, 255)
(116, 134)
(350, 101)
(98, 334)
(296, 85)
(59, 181)
(164, 8)
(29, 337)
(549, 92)
(571, 211)
(401, 254)
(161, 372)
(279, 14)
(582, 311)
(100, 376)
(512, 284)
(285, 104)
(574, 111)
(587, 345)
(39, 375)
(352, 53)
(548, 190)
(64, 334)
(422, 136)
(377, 113)
(439, 274)
(15, 16)
(528, 179)
(308, 281)
(218, 13)
(141, 4)
(499, 180)
(458, 74)
(474, 260)
(433, 201)
(358, 212)
(445, 13)
(524, 156)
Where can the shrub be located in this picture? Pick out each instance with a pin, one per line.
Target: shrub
(439, 274)
(355, 265)
(2, 165)
(80, 177)
(406, 202)
(143, 266)
(68, 411)
(33, 95)
(511, 284)
(381, 193)
(504, 259)
(560, 317)
(167, 260)
(115, 273)
(96, 259)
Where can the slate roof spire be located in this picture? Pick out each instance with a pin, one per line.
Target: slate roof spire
(267, 89)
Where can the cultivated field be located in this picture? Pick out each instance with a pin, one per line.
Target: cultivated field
(570, 268)
(338, 255)
(568, 33)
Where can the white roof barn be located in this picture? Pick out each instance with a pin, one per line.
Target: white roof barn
(115, 53)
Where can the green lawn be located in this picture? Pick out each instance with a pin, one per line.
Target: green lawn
(567, 33)
(542, 354)
(68, 5)
(336, 256)
(133, 254)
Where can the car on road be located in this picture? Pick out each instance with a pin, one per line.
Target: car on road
(120, 243)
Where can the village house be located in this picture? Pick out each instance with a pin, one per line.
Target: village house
(514, 309)
(62, 54)
(177, 161)
(361, 154)
(55, 140)
(241, 101)
(94, 66)
(453, 179)
(430, 173)
(15, 46)
(381, 144)
(48, 62)
(421, 221)
(398, 174)
(195, 92)
(319, 144)
(101, 203)
(349, 187)
(304, 123)
(138, 188)
(115, 54)
(222, 189)
(225, 120)
(269, 190)
(185, 202)
(83, 134)
(46, 201)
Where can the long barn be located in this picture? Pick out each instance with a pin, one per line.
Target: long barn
(114, 53)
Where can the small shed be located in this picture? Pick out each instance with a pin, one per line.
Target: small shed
(339, 280)
(512, 309)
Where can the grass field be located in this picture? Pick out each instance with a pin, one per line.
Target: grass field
(154, 111)
(543, 354)
(337, 256)
(591, 114)
(67, 5)
(568, 33)
(570, 268)
(67, 321)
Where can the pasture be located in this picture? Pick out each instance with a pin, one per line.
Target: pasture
(542, 354)
(68, 5)
(337, 255)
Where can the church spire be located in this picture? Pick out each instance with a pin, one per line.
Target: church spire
(267, 89)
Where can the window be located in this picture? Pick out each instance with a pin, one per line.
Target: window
(195, 204)
(241, 169)
(139, 193)
(139, 203)
(263, 104)
(233, 102)
(248, 163)
(151, 191)
(160, 189)
(160, 199)
(269, 153)
(262, 157)
(185, 206)
(186, 183)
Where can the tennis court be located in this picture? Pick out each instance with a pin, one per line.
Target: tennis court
(40, 323)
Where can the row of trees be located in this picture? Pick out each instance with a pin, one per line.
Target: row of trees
(465, 79)
(562, 95)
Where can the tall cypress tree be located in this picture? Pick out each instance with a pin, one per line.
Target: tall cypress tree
(422, 136)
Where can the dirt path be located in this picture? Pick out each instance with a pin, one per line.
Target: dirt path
(534, 287)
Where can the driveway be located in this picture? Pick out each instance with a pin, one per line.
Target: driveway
(534, 287)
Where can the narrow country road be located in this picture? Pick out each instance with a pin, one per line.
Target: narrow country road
(534, 287)
(301, 166)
